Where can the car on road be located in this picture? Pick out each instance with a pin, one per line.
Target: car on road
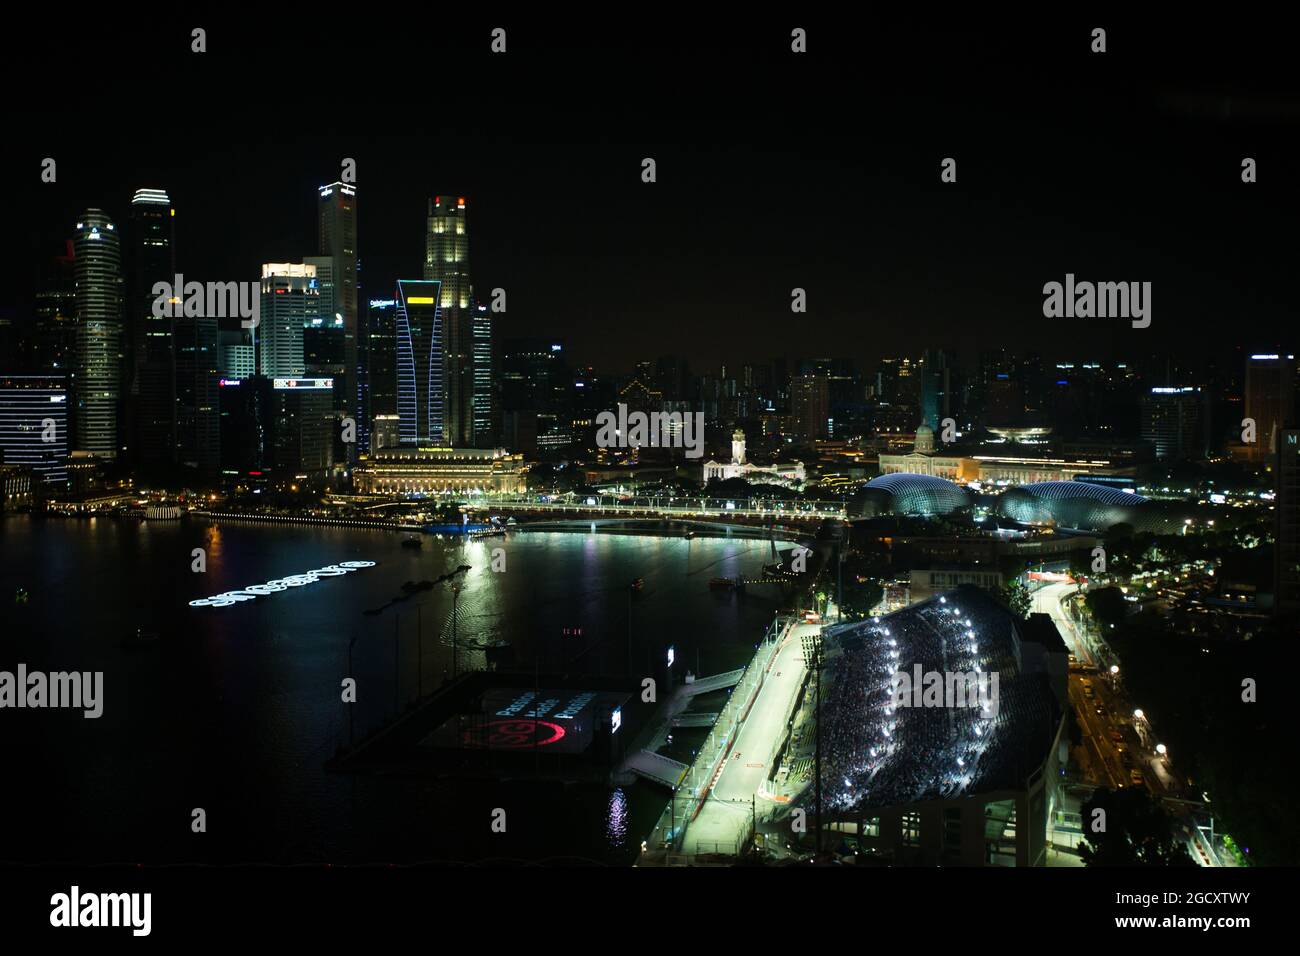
(1116, 736)
(1136, 776)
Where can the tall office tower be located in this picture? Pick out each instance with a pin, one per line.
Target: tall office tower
(381, 366)
(299, 420)
(290, 300)
(150, 369)
(98, 268)
(338, 241)
(446, 260)
(324, 337)
(1286, 586)
(484, 399)
(34, 425)
(1172, 421)
(420, 364)
(809, 406)
(1270, 399)
(55, 313)
(198, 399)
(235, 354)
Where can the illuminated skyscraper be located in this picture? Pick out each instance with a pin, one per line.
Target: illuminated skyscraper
(1270, 399)
(484, 410)
(290, 300)
(1172, 421)
(338, 241)
(420, 364)
(150, 359)
(381, 364)
(98, 269)
(446, 260)
(34, 425)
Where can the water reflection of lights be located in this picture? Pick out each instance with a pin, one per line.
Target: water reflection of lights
(616, 819)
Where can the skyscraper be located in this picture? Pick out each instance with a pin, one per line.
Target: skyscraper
(1270, 399)
(338, 240)
(809, 406)
(290, 300)
(484, 395)
(98, 269)
(325, 337)
(56, 315)
(381, 364)
(1172, 421)
(420, 364)
(150, 356)
(446, 261)
(34, 425)
(198, 399)
(1286, 588)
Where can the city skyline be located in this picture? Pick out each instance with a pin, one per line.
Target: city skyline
(665, 442)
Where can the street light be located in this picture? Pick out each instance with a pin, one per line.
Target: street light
(1138, 714)
(1162, 750)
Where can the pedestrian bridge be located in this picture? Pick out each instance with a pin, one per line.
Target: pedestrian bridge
(717, 682)
(656, 767)
(695, 720)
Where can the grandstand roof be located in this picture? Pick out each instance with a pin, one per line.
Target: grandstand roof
(875, 755)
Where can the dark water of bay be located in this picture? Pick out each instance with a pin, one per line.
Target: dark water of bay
(236, 709)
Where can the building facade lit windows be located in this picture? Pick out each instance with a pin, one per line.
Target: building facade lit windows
(98, 267)
(420, 367)
(442, 471)
(34, 426)
(290, 299)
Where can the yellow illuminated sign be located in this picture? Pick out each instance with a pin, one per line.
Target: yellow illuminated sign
(420, 300)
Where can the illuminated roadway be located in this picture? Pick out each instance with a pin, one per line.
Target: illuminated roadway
(725, 816)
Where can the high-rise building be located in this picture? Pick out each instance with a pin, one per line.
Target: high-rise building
(810, 406)
(1286, 586)
(324, 336)
(446, 260)
(338, 240)
(299, 422)
(420, 366)
(1172, 421)
(1270, 399)
(198, 400)
(235, 354)
(55, 313)
(484, 399)
(148, 339)
(290, 300)
(381, 365)
(34, 425)
(98, 269)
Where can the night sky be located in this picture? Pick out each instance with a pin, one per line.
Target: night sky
(774, 171)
